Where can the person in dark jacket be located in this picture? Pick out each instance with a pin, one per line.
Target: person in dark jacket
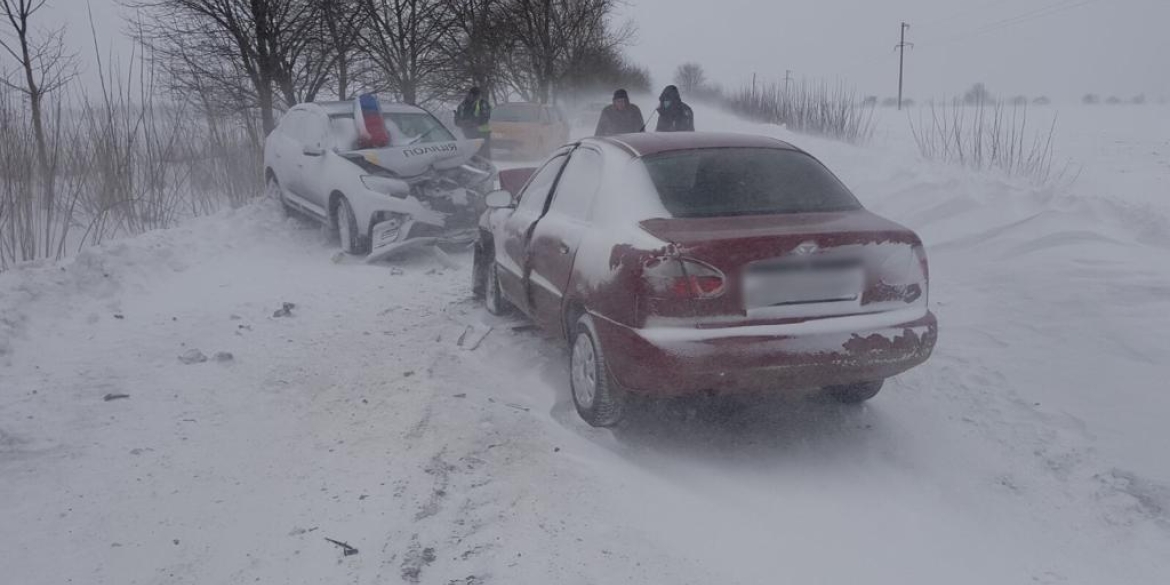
(620, 118)
(473, 117)
(673, 114)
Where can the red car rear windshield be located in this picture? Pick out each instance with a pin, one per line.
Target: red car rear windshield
(714, 182)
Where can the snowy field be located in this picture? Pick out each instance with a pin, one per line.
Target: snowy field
(1030, 449)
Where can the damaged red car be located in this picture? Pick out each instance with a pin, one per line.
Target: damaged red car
(684, 263)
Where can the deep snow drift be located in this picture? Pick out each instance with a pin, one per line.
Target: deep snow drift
(1030, 449)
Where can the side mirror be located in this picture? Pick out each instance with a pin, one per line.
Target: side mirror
(513, 180)
(313, 151)
(498, 199)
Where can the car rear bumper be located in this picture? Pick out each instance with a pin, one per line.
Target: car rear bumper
(810, 354)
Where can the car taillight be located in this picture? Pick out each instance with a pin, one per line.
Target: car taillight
(678, 278)
(901, 277)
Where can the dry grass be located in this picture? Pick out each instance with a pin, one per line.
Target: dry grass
(988, 136)
(121, 164)
(810, 108)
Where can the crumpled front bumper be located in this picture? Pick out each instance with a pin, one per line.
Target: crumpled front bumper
(389, 238)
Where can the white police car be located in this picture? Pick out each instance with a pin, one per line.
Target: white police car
(422, 186)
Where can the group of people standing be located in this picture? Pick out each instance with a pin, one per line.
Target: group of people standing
(474, 114)
(623, 117)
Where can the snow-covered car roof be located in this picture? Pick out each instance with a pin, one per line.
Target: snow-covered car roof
(648, 143)
(346, 107)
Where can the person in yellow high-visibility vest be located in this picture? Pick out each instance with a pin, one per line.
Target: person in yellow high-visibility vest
(473, 117)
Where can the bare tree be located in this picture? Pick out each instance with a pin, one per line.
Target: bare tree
(603, 70)
(43, 67)
(690, 78)
(473, 48)
(341, 24)
(249, 51)
(404, 40)
(545, 38)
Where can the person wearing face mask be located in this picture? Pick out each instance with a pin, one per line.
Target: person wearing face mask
(621, 117)
(673, 114)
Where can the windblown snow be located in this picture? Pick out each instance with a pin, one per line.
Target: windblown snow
(382, 408)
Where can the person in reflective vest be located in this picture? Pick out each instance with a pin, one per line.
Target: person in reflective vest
(473, 117)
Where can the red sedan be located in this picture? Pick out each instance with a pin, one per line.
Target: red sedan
(683, 263)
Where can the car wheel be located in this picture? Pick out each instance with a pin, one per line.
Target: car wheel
(493, 296)
(273, 189)
(478, 272)
(599, 400)
(347, 229)
(854, 393)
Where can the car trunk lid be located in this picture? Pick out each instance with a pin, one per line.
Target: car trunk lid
(783, 267)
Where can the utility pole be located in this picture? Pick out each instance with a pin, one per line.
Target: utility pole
(787, 80)
(901, 48)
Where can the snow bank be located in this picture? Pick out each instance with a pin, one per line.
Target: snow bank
(92, 281)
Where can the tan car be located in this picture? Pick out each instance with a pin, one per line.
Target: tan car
(528, 129)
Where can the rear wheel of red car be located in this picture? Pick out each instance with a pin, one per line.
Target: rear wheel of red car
(599, 400)
(854, 393)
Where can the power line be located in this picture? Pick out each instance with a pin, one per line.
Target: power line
(1034, 14)
(964, 12)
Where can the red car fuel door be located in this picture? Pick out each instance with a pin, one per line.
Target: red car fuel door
(557, 236)
(512, 250)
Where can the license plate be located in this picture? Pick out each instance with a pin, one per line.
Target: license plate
(767, 289)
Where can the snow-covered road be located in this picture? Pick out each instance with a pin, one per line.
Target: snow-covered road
(1030, 449)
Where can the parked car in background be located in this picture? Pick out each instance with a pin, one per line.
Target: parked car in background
(675, 264)
(528, 129)
(424, 187)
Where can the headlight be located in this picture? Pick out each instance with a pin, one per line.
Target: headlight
(387, 185)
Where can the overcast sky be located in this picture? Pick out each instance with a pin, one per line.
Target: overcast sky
(1061, 48)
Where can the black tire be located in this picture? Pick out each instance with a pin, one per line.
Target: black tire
(351, 239)
(854, 393)
(493, 296)
(478, 272)
(605, 405)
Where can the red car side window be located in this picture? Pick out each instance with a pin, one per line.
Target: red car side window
(536, 193)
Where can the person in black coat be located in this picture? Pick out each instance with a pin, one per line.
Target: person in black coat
(620, 118)
(673, 114)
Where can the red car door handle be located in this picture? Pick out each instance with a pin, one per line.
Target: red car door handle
(563, 248)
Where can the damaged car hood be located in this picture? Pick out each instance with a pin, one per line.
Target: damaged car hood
(415, 159)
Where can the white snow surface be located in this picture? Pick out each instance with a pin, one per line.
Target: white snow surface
(1031, 448)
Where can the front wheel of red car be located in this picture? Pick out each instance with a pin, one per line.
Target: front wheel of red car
(599, 400)
(494, 299)
(854, 393)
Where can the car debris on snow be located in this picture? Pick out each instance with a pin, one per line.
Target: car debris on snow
(192, 356)
(285, 310)
(346, 549)
(109, 397)
(510, 405)
(472, 336)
